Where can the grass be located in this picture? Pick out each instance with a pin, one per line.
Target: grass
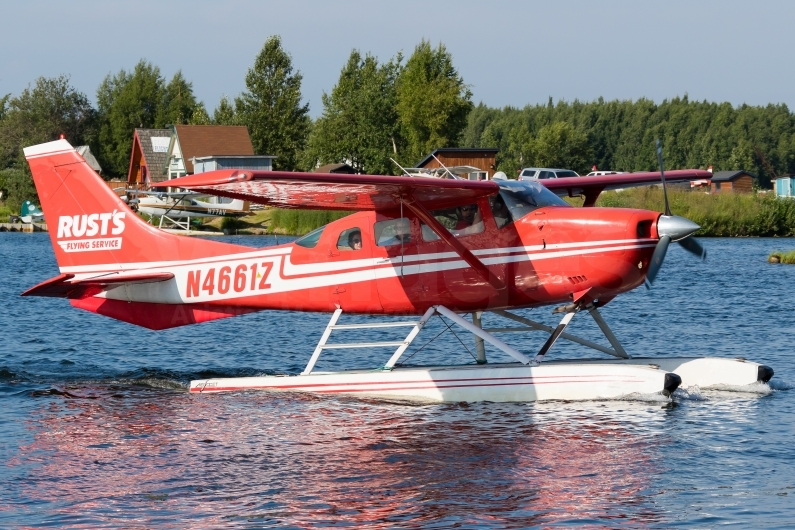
(5, 213)
(719, 215)
(276, 221)
(782, 257)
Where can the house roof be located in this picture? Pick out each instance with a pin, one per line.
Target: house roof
(722, 176)
(154, 160)
(204, 140)
(336, 168)
(461, 150)
(88, 156)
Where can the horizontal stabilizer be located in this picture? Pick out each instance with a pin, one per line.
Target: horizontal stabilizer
(157, 316)
(63, 285)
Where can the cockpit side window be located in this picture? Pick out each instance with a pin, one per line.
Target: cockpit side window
(350, 239)
(523, 197)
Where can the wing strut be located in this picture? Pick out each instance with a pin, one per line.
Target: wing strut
(426, 217)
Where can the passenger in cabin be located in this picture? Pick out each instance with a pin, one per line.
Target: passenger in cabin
(500, 211)
(355, 240)
(470, 221)
(397, 232)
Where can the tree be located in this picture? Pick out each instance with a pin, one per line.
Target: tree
(432, 101)
(179, 104)
(52, 107)
(225, 114)
(126, 101)
(562, 145)
(359, 124)
(271, 107)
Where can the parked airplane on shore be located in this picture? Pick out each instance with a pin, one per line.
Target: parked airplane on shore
(416, 246)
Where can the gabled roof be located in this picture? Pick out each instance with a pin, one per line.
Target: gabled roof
(204, 140)
(336, 168)
(722, 176)
(155, 159)
(88, 156)
(462, 150)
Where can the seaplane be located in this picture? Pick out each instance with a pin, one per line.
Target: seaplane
(415, 249)
(176, 210)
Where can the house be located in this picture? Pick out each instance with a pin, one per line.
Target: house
(195, 142)
(88, 156)
(483, 159)
(214, 162)
(737, 181)
(344, 169)
(148, 156)
(785, 186)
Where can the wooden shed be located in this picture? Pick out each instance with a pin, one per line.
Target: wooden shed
(738, 181)
(482, 158)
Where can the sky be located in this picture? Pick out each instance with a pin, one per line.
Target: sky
(509, 52)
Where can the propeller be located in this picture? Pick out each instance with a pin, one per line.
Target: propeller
(671, 228)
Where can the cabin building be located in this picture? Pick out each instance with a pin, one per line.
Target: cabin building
(483, 159)
(785, 186)
(223, 144)
(88, 156)
(738, 181)
(214, 162)
(343, 169)
(148, 157)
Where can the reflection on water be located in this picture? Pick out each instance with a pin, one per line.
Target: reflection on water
(99, 431)
(119, 452)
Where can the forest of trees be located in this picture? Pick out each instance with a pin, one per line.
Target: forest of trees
(400, 109)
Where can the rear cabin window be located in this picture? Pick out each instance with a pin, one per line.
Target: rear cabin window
(392, 232)
(310, 240)
(460, 221)
(350, 239)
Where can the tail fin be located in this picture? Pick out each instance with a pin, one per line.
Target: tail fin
(90, 225)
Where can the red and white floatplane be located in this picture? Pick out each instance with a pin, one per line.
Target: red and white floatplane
(415, 248)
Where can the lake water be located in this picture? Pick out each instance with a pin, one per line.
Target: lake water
(98, 430)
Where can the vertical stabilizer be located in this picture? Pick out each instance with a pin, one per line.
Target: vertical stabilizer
(90, 225)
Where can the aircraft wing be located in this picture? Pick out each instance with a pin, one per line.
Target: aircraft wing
(64, 285)
(591, 187)
(326, 191)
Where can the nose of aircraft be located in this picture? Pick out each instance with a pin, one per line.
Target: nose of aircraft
(675, 227)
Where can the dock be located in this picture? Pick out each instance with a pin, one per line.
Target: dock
(23, 227)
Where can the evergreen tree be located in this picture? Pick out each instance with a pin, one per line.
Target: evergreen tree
(179, 104)
(126, 101)
(432, 101)
(271, 107)
(359, 124)
(224, 113)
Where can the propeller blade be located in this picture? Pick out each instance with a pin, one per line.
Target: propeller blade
(657, 260)
(692, 245)
(662, 176)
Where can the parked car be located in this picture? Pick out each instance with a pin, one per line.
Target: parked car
(539, 173)
(600, 173)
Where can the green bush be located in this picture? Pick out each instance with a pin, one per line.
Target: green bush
(719, 215)
(17, 186)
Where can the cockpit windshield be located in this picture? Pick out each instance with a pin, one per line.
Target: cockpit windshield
(523, 197)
